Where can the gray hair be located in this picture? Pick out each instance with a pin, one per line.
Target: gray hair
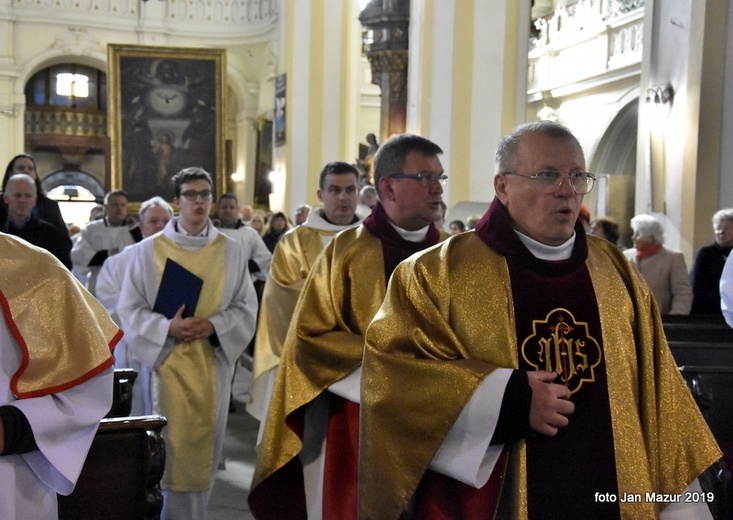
(20, 177)
(506, 152)
(646, 226)
(151, 202)
(723, 214)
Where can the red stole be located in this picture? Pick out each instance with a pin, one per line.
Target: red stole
(559, 330)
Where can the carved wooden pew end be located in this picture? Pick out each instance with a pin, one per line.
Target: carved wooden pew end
(121, 476)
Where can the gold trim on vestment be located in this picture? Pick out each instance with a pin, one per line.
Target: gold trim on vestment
(64, 333)
(293, 259)
(673, 444)
(332, 314)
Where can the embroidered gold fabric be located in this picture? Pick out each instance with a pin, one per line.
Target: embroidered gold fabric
(65, 335)
(184, 385)
(332, 314)
(448, 321)
(294, 256)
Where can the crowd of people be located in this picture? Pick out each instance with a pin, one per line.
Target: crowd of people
(515, 365)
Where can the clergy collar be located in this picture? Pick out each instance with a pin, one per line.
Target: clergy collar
(181, 230)
(107, 223)
(411, 236)
(496, 230)
(545, 252)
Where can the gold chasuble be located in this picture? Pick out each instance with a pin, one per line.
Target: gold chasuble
(449, 319)
(325, 344)
(294, 256)
(184, 384)
(39, 298)
(303, 375)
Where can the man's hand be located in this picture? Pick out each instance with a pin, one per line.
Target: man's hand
(189, 329)
(550, 403)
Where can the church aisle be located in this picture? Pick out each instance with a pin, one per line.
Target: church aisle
(229, 496)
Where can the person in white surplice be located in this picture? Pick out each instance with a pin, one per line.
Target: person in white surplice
(191, 354)
(56, 378)
(154, 214)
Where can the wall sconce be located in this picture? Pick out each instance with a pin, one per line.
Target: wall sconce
(68, 84)
(660, 95)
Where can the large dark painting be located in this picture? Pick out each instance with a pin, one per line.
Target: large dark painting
(166, 114)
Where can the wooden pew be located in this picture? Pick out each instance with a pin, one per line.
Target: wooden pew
(703, 349)
(699, 340)
(122, 393)
(120, 479)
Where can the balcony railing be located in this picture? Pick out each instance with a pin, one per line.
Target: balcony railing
(65, 121)
(587, 42)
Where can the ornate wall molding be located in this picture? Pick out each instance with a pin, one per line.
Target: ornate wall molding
(606, 37)
(388, 61)
(216, 19)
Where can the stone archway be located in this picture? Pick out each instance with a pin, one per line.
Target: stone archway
(76, 193)
(614, 163)
(74, 178)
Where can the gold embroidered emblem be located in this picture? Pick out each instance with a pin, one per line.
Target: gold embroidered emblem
(560, 344)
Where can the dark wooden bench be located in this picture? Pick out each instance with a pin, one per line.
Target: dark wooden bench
(122, 393)
(703, 349)
(120, 479)
(697, 328)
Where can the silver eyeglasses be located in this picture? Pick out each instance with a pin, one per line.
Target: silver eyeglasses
(550, 180)
(426, 178)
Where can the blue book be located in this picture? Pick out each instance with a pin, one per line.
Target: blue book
(178, 286)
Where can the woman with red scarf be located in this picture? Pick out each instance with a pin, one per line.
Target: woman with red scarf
(663, 269)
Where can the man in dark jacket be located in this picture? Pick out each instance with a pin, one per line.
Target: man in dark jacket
(20, 197)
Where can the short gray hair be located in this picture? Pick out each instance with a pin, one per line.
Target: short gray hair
(723, 214)
(506, 152)
(151, 202)
(20, 177)
(646, 226)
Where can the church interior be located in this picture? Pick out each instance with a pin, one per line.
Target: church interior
(286, 86)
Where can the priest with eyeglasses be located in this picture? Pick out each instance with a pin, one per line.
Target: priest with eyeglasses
(521, 370)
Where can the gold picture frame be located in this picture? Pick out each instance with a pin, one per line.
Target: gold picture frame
(166, 113)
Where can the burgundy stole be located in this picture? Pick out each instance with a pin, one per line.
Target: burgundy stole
(340, 484)
(559, 330)
(395, 248)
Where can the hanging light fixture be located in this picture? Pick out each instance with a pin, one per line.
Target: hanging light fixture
(68, 84)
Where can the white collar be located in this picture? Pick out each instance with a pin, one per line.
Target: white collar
(181, 230)
(545, 252)
(412, 236)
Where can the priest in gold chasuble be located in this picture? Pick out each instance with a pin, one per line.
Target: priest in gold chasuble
(307, 460)
(191, 354)
(294, 256)
(521, 371)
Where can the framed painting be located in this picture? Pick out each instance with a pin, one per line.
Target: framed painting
(166, 113)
